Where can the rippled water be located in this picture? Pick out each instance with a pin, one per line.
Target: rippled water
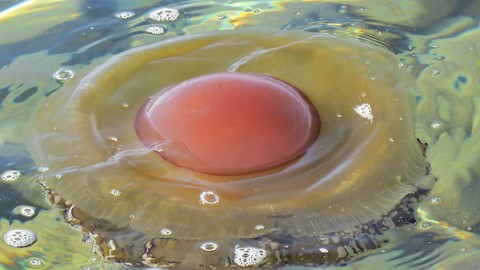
(44, 43)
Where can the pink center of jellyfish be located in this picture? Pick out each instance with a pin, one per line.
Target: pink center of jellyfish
(228, 123)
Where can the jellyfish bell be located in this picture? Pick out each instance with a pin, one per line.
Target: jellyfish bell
(106, 145)
(228, 123)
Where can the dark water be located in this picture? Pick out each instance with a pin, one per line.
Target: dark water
(436, 41)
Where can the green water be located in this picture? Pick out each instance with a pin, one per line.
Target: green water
(436, 41)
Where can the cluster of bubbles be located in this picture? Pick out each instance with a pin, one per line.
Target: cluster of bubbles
(249, 256)
(156, 30)
(124, 15)
(19, 238)
(156, 15)
(10, 175)
(365, 111)
(164, 14)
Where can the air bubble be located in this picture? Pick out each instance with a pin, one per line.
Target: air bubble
(221, 17)
(156, 30)
(435, 71)
(35, 263)
(10, 175)
(19, 238)
(164, 14)
(43, 169)
(436, 124)
(247, 9)
(27, 211)
(123, 15)
(426, 225)
(259, 227)
(209, 246)
(323, 250)
(115, 192)
(165, 231)
(257, 10)
(248, 256)
(209, 197)
(435, 200)
(63, 74)
(365, 111)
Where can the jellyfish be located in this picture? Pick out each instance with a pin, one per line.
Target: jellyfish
(234, 148)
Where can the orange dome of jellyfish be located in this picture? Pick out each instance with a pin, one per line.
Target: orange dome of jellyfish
(234, 149)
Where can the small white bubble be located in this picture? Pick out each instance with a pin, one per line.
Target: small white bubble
(323, 250)
(209, 246)
(339, 115)
(63, 74)
(365, 111)
(58, 176)
(426, 225)
(247, 9)
(35, 263)
(27, 211)
(165, 231)
(43, 169)
(156, 30)
(125, 105)
(391, 139)
(434, 46)
(257, 10)
(113, 139)
(10, 175)
(435, 71)
(115, 192)
(259, 227)
(221, 17)
(19, 238)
(435, 200)
(383, 251)
(248, 256)
(436, 124)
(373, 78)
(209, 197)
(164, 14)
(90, 241)
(123, 15)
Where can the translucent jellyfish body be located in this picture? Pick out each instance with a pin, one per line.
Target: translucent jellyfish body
(363, 164)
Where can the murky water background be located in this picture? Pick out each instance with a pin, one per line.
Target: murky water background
(437, 41)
